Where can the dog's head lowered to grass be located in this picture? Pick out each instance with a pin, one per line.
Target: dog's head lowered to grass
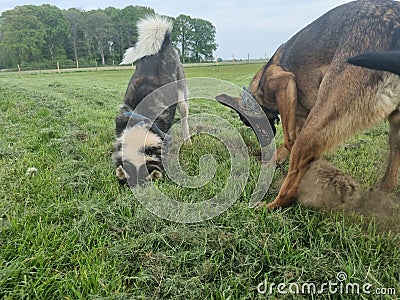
(141, 146)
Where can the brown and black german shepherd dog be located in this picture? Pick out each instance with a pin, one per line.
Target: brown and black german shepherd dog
(321, 98)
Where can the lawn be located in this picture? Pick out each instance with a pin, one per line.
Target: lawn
(71, 232)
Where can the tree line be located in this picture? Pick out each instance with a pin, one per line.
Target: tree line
(40, 35)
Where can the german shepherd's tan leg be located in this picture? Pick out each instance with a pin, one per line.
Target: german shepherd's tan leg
(284, 85)
(304, 151)
(282, 153)
(389, 181)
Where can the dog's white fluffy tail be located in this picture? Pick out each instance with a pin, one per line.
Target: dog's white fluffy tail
(152, 31)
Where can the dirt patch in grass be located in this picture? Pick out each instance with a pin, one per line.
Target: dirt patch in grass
(327, 188)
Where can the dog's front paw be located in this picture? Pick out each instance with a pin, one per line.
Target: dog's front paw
(121, 173)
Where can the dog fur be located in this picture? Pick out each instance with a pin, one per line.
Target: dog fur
(139, 145)
(321, 99)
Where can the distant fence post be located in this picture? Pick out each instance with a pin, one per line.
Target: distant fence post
(58, 68)
(19, 68)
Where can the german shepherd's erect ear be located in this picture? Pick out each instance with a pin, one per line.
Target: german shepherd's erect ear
(383, 61)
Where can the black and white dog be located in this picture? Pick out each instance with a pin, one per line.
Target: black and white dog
(142, 126)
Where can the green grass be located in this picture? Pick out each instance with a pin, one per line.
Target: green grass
(70, 232)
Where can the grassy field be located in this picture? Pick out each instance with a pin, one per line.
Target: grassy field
(70, 232)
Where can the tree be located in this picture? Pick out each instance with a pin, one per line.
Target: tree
(195, 38)
(75, 19)
(56, 28)
(182, 34)
(100, 28)
(203, 44)
(22, 36)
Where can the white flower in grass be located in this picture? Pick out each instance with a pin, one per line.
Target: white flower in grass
(31, 171)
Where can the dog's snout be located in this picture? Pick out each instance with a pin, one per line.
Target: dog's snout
(137, 174)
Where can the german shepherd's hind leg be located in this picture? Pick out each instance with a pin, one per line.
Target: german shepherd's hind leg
(305, 149)
(389, 180)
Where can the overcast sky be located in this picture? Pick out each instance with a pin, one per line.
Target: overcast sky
(254, 27)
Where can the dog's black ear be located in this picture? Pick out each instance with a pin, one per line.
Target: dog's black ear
(383, 61)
